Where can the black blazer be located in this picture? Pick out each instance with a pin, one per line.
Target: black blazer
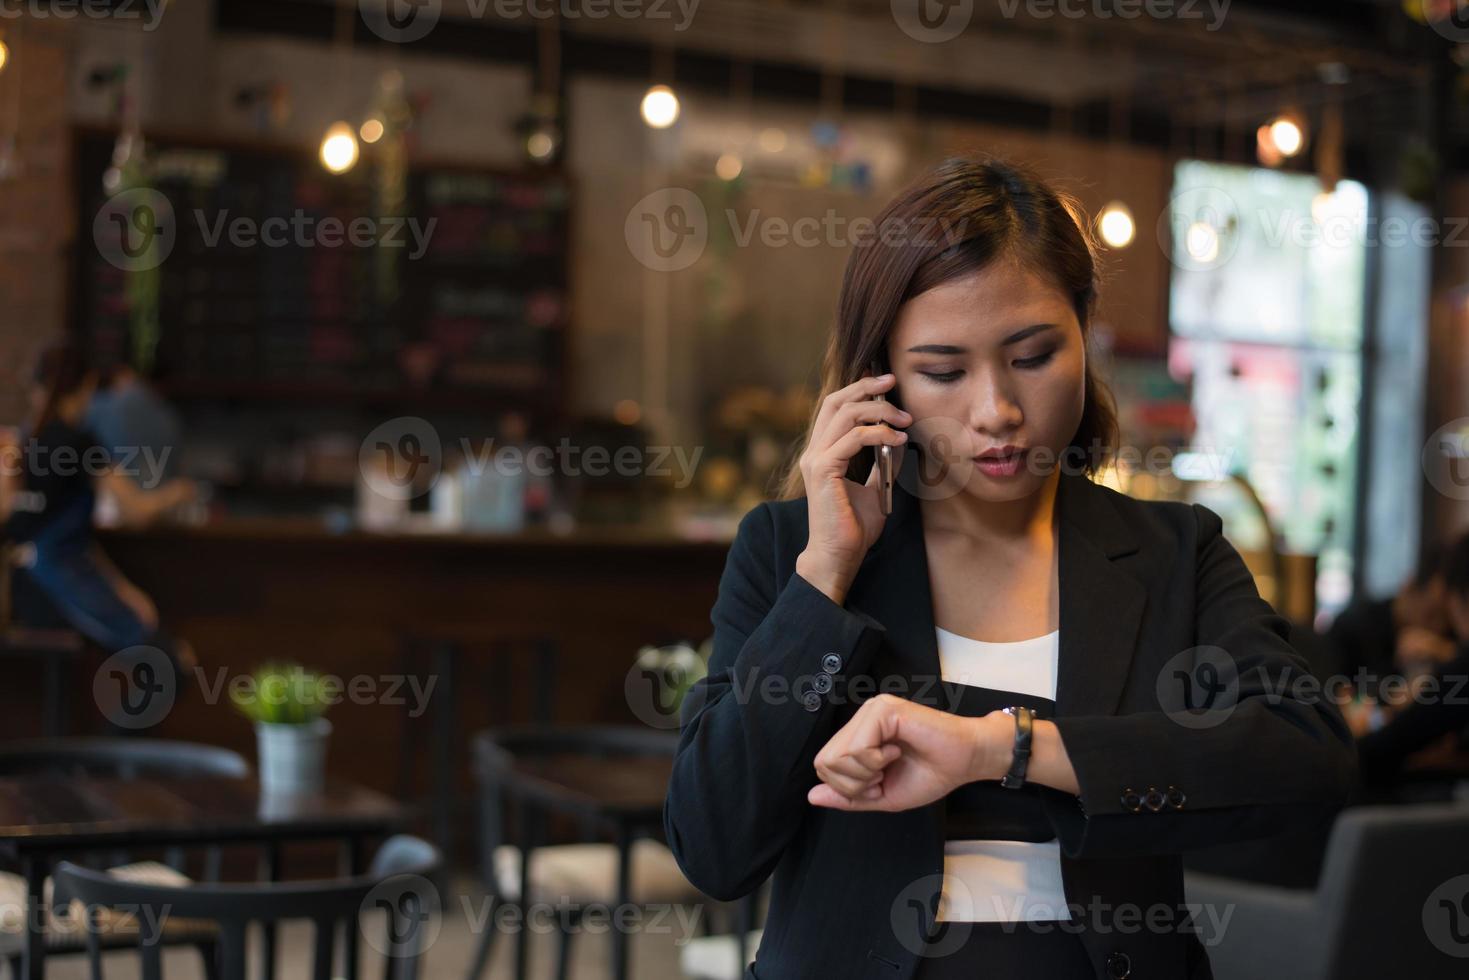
(1148, 591)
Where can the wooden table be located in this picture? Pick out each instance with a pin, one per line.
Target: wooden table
(46, 817)
(625, 792)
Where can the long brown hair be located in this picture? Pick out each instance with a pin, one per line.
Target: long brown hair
(61, 369)
(969, 212)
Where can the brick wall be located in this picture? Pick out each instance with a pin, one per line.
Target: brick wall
(35, 206)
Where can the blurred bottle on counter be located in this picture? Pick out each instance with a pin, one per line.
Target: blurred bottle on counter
(496, 485)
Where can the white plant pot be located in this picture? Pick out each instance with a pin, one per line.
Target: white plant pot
(292, 757)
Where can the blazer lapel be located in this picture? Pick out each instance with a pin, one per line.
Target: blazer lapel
(1101, 603)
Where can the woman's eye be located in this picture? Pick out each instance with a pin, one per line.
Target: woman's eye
(943, 377)
(1035, 362)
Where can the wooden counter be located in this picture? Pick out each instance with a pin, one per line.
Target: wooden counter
(248, 591)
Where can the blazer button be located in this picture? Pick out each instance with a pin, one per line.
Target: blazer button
(1176, 797)
(811, 701)
(1154, 799)
(831, 663)
(1131, 801)
(821, 683)
(1119, 965)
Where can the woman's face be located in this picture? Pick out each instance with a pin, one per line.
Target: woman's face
(988, 363)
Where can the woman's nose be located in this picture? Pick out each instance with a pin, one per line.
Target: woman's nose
(994, 409)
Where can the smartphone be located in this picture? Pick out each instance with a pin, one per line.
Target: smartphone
(885, 461)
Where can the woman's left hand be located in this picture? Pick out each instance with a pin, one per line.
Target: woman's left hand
(896, 754)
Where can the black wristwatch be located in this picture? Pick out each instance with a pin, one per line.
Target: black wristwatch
(1024, 724)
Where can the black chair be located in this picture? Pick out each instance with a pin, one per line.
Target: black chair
(398, 884)
(445, 652)
(516, 869)
(124, 758)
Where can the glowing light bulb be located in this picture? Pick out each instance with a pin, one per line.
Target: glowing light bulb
(728, 166)
(1286, 134)
(371, 131)
(1116, 225)
(660, 107)
(339, 148)
(1202, 242)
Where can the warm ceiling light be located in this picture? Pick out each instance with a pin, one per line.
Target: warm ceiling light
(728, 166)
(660, 107)
(339, 148)
(1116, 226)
(1286, 134)
(371, 131)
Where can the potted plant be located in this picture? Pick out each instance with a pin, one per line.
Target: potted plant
(286, 702)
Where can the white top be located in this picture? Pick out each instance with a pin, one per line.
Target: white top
(1002, 880)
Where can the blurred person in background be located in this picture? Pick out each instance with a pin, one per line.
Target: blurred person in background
(54, 470)
(128, 416)
(1434, 707)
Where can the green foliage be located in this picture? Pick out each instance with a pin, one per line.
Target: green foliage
(282, 694)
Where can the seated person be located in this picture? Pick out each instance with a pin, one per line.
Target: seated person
(1437, 703)
(53, 472)
(1374, 639)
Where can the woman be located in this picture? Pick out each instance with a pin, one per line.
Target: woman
(850, 737)
(52, 476)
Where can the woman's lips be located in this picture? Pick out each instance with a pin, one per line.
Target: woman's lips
(1007, 465)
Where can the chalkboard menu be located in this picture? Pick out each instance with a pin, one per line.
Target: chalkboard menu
(281, 279)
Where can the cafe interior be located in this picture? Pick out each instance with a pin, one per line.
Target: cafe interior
(416, 361)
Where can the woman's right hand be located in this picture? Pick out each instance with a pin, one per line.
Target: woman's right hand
(845, 517)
